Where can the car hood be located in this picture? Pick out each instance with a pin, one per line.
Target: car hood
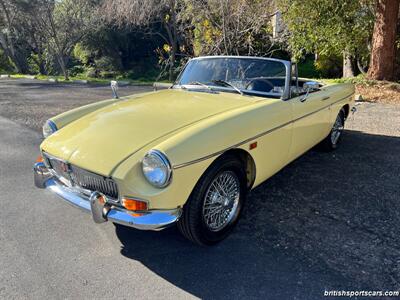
(102, 139)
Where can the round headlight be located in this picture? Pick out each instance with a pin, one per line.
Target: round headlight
(156, 168)
(49, 128)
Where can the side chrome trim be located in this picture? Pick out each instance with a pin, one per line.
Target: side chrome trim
(257, 136)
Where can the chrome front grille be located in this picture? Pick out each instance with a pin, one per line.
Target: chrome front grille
(93, 182)
(75, 176)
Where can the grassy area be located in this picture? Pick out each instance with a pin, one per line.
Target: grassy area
(370, 90)
(373, 90)
(361, 80)
(90, 80)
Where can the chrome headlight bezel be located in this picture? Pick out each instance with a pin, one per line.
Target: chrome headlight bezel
(49, 128)
(165, 168)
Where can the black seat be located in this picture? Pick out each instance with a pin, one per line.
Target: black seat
(260, 85)
(265, 85)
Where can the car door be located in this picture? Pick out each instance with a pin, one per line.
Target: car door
(311, 121)
(270, 125)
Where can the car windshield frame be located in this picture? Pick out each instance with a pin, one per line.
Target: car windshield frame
(284, 96)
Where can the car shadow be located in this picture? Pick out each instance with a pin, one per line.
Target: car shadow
(328, 221)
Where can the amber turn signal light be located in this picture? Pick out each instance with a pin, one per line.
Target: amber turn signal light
(132, 204)
(39, 159)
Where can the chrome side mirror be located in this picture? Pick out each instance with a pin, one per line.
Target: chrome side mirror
(309, 86)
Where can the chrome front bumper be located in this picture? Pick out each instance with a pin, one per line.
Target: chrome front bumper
(150, 220)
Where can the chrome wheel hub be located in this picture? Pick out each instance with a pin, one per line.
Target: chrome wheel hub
(337, 130)
(221, 201)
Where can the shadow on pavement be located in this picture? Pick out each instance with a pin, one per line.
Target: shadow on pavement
(327, 221)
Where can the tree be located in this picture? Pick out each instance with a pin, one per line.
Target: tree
(230, 27)
(34, 40)
(11, 41)
(64, 24)
(329, 28)
(146, 15)
(383, 54)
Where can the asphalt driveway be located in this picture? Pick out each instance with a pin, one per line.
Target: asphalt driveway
(32, 102)
(325, 222)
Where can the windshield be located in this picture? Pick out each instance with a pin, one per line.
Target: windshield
(244, 75)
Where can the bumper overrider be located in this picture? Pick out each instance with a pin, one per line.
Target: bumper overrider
(100, 208)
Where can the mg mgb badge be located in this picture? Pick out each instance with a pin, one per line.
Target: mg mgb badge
(64, 167)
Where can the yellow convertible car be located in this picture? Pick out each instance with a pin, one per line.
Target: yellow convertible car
(190, 154)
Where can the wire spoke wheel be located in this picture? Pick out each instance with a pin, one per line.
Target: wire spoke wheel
(337, 130)
(221, 201)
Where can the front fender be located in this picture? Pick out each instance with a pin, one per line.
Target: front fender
(132, 183)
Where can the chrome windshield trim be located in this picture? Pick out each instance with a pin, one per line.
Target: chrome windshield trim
(241, 57)
(215, 89)
(178, 166)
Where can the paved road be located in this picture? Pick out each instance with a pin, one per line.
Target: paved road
(327, 221)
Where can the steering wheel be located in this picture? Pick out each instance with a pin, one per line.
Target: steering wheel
(263, 80)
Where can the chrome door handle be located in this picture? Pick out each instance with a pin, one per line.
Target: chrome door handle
(325, 98)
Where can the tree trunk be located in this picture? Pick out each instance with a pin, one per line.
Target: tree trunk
(383, 54)
(171, 66)
(7, 41)
(173, 42)
(361, 68)
(347, 66)
(42, 67)
(63, 67)
(7, 52)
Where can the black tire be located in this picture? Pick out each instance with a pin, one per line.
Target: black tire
(192, 223)
(330, 143)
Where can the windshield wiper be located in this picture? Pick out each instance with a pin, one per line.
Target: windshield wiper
(199, 83)
(225, 83)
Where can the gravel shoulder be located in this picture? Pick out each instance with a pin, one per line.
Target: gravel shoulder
(326, 221)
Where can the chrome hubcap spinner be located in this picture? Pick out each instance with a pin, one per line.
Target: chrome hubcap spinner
(221, 201)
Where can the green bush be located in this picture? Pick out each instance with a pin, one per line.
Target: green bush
(329, 66)
(91, 72)
(108, 63)
(307, 68)
(5, 65)
(82, 54)
(77, 70)
(108, 74)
